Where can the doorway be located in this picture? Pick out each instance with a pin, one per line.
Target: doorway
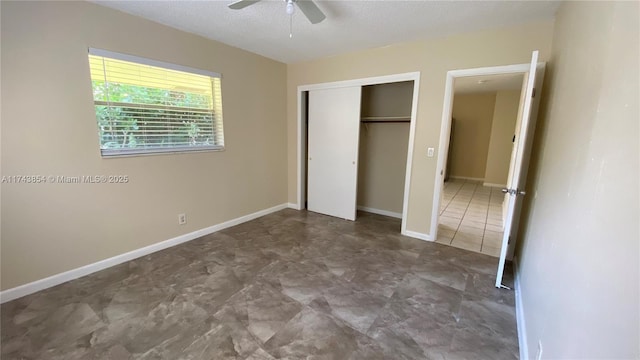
(303, 141)
(519, 164)
(484, 116)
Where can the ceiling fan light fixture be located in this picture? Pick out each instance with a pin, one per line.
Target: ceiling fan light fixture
(290, 8)
(308, 8)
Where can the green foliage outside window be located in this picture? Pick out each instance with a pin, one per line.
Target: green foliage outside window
(131, 116)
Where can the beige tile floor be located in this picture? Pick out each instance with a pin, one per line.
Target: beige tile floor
(471, 217)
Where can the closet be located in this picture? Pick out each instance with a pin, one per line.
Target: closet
(384, 139)
(357, 143)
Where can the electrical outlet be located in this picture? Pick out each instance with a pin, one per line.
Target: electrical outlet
(182, 219)
(539, 355)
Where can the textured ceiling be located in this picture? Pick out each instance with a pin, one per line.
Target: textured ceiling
(263, 28)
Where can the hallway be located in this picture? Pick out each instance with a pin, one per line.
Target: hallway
(471, 217)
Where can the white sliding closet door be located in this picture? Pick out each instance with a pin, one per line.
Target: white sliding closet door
(332, 158)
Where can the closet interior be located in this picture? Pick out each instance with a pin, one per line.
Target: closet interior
(357, 144)
(384, 139)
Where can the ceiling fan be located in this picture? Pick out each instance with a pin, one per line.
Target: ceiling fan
(308, 8)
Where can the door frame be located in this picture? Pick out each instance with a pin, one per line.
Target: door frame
(445, 127)
(302, 130)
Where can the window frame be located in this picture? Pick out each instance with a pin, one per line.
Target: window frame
(217, 121)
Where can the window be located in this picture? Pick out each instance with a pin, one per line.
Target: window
(145, 106)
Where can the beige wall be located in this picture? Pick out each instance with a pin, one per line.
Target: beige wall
(49, 127)
(433, 58)
(503, 127)
(383, 147)
(579, 262)
(473, 114)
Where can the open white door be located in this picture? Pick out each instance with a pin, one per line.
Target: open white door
(520, 163)
(334, 134)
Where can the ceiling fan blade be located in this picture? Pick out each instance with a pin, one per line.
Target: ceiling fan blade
(242, 4)
(311, 11)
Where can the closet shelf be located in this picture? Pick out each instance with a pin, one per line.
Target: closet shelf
(385, 119)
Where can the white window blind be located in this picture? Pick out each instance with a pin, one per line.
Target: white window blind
(146, 106)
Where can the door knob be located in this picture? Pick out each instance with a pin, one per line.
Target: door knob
(514, 191)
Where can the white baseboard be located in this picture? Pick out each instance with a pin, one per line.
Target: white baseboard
(466, 178)
(522, 329)
(32, 287)
(381, 212)
(417, 235)
(494, 185)
(293, 206)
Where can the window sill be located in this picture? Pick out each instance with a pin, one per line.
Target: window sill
(113, 154)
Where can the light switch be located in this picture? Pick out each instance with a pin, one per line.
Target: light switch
(430, 152)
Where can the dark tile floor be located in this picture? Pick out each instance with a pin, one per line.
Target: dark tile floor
(290, 285)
